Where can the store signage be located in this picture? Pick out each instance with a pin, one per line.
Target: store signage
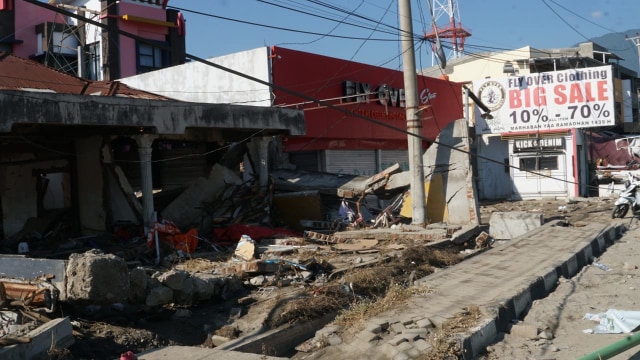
(361, 92)
(576, 98)
(521, 145)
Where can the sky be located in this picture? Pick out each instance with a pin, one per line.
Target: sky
(366, 31)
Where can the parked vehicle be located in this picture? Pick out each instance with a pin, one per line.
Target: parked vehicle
(629, 199)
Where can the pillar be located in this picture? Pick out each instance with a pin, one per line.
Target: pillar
(263, 155)
(145, 149)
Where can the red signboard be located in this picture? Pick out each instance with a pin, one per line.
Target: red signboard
(362, 106)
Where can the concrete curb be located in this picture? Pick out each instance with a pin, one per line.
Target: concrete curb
(511, 308)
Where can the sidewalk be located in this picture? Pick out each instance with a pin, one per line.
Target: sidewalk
(502, 282)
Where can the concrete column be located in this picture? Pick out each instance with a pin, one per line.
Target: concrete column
(146, 177)
(263, 167)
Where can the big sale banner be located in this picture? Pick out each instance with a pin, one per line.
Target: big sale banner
(576, 98)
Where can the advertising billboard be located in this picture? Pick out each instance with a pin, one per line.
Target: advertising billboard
(576, 98)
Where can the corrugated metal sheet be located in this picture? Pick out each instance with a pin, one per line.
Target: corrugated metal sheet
(20, 74)
(353, 162)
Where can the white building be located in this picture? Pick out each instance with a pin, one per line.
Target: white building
(543, 105)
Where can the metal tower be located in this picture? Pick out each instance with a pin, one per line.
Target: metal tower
(447, 26)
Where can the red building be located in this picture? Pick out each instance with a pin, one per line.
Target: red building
(359, 126)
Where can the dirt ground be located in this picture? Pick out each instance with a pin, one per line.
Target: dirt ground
(106, 332)
(560, 317)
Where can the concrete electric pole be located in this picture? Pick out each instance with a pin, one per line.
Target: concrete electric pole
(414, 125)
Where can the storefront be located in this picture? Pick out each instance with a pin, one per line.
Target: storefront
(534, 145)
(541, 166)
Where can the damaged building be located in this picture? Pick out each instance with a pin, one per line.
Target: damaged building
(81, 158)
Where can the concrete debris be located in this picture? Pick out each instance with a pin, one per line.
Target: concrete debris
(246, 248)
(97, 278)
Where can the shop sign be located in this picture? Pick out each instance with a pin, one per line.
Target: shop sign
(383, 94)
(576, 98)
(536, 144)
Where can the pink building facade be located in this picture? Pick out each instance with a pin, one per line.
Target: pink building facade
(57, 35)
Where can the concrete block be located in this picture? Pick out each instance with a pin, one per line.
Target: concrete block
(397, 328)
(396, 340)
(422, 345)
(418, 331)
(510, 225)
(424, 323)
(404, 347)
(550, 280)
(570, 267)
(57, 330)
(522, 302)
(523, 330)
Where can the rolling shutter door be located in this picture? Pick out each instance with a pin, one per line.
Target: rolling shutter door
(390, 157)
(352, 162)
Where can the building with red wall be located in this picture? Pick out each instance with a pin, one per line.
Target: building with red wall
(359, 125)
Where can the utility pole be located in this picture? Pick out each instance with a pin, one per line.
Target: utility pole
(414, 125)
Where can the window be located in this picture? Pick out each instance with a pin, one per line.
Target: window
(539, 163)
(150, 58)
(93, 62)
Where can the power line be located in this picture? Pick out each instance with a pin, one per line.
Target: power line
(301, 95)
(273, 27)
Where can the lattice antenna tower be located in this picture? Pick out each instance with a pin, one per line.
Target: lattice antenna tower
(448, 28)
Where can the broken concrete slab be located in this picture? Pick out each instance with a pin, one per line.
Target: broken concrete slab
(341, 185)
(450, 192)
(186, 209)
(55, 334)
(510, 225)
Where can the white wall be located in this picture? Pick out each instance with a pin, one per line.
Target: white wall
(198, 82)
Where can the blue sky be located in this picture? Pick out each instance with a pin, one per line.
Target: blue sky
(494, 25)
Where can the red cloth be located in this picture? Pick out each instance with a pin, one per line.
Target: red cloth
(232, 233)
(170, 233)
